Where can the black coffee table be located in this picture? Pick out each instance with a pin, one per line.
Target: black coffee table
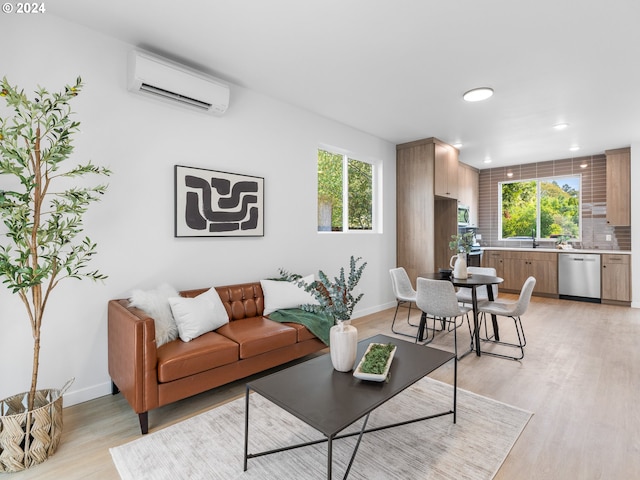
(330, 401)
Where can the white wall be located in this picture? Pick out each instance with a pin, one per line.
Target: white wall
(141, 140)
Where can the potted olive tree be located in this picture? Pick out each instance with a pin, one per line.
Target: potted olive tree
(42, 203)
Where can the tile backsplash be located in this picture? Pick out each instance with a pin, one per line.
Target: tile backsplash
(594, 202)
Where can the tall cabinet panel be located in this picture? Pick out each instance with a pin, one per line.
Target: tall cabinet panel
(424, 226)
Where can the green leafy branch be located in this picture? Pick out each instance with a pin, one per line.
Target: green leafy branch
(335, 297)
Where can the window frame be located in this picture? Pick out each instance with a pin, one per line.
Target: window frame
(557, 179)
(376, 191)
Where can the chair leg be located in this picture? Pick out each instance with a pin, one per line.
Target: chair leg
(409, 316)
(394, 320)
(522, 341)
(447, 324)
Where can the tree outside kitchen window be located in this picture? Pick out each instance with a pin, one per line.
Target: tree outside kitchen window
(542, 208)
(344, 181)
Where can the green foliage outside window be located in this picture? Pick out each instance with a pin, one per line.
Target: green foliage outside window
(360, 195)
(550, 207)
(329, 191)
(331, 195)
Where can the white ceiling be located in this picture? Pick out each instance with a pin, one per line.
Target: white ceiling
(397, 69)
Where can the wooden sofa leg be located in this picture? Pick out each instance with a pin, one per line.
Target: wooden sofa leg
(144, 422)
(114, 389)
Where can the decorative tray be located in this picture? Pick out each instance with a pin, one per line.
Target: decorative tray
(374, 377)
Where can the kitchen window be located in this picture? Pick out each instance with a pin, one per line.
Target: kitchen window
(542, 209)
(346, 193)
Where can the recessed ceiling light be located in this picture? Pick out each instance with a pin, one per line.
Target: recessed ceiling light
(487, 160)
(458, 145)
(478, 94)
(574, 148)
(560, 126)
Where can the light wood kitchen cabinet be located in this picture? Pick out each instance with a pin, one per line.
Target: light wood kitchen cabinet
(469, 190)
(517, 266)
(618, 184)
(494, 259)
(616, 277)
(423, 226)
(446, 170)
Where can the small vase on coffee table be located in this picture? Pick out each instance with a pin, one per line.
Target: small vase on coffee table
(343, 346)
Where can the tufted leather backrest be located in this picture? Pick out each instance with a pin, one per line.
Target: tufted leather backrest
(243, 300)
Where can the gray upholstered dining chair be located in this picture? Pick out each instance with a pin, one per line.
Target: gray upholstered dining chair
(464, 294)
(405, 294)
(508, 308)
(437, 299)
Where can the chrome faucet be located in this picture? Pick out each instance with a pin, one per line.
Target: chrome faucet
(533, 238)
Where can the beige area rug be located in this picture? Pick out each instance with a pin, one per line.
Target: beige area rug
(211, 445)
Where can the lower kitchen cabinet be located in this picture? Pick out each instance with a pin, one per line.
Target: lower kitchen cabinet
(494, 259)
(616, 277)
(516, 266)
(541, 265)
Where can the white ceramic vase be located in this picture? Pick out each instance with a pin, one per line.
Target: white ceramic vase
(460, 265)
(343, 345)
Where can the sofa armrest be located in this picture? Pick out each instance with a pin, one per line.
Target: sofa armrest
(132, 355)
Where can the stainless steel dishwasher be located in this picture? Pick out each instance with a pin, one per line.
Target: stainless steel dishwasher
(579, 276)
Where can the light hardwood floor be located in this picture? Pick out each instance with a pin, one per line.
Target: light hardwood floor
(580, 377)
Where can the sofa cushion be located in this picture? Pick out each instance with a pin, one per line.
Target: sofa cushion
(302, 331)
(258, 335)
(180, 359)
(281, 294)
(155, 303)
(201, 314)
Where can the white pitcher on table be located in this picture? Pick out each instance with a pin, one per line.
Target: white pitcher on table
(460, 265)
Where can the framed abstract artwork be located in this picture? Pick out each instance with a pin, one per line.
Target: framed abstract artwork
(209, 203)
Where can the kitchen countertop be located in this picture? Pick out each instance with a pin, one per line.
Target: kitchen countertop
(557, 250)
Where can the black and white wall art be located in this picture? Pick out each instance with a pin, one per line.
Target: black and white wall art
(210, 203)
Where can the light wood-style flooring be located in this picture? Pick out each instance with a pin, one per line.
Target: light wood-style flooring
(580, 377)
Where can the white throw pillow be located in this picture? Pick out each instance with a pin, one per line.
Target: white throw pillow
(279, 294)
(156, 304)
(198, 315)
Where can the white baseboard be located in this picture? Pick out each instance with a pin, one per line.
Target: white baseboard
(73, 397)
(374, 309)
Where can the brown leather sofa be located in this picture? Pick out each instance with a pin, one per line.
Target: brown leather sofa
(150, 376)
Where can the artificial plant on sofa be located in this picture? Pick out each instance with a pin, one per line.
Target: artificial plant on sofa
(335, 298)
(42, 210)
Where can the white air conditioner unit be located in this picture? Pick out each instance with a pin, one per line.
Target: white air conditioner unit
(168, 81)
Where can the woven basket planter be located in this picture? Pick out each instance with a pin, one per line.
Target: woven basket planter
(28, 438)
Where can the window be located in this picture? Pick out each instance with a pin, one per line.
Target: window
(543, 208)
(345, 193)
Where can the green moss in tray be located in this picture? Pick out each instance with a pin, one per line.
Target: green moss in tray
(376, 358)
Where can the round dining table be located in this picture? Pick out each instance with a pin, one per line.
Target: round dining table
(473, 281)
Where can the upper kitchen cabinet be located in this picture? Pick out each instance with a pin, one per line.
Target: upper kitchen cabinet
(446, 170)
(468, 190)
(619, 186)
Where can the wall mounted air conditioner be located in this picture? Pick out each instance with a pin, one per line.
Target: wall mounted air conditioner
(171, 82)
